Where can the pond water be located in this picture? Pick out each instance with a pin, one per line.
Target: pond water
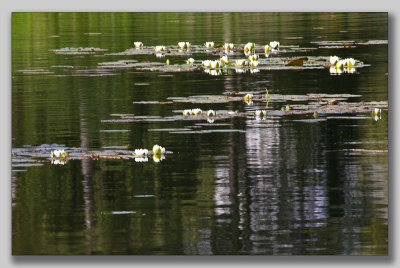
(285, 185)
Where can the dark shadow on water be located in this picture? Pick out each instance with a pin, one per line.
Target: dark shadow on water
(203, 259)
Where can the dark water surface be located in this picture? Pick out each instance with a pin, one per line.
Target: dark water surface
(276, 187)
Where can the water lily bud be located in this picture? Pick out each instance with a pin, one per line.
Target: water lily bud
(287, 107)
(167, 62)
(266, 49)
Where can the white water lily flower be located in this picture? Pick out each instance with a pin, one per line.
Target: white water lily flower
(187, 112)
(160, 55)
(248, 99)
(228, 46)
(335, 71)
(158, 158)
(157, 149)
(240, 71)
(350, 70)
(215, 64)
(248, 47)
(349, 62)
(141, 152)
(254, 63)
(58, 153)
(58, 161)
(241, 62)
(215, 72)
(206, 63)
(224, 59)
(377, 111)
(209, 44)
(138, 44)
(333, 60)
(340, 64)
(159, 48)
(274, 44)
(254, 70)
(190, 61)
(266, 49)
(210, 120)
(253, 57)
(196, 111)
(141, 159)
(352, 62)
(183, 45)
(211, 113)
(248, 96)
(261, 113)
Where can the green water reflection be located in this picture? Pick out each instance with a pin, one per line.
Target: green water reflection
(282, 187)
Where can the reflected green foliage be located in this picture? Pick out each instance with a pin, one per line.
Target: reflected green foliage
(275, 187)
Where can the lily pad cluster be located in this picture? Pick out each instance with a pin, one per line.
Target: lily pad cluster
(29, 156)
(77, 50)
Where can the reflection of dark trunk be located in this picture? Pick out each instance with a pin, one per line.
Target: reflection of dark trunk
(236, 150)
(87, 173)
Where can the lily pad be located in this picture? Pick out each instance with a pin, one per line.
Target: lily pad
(118, 212)
(152, 102)
(77, 50)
